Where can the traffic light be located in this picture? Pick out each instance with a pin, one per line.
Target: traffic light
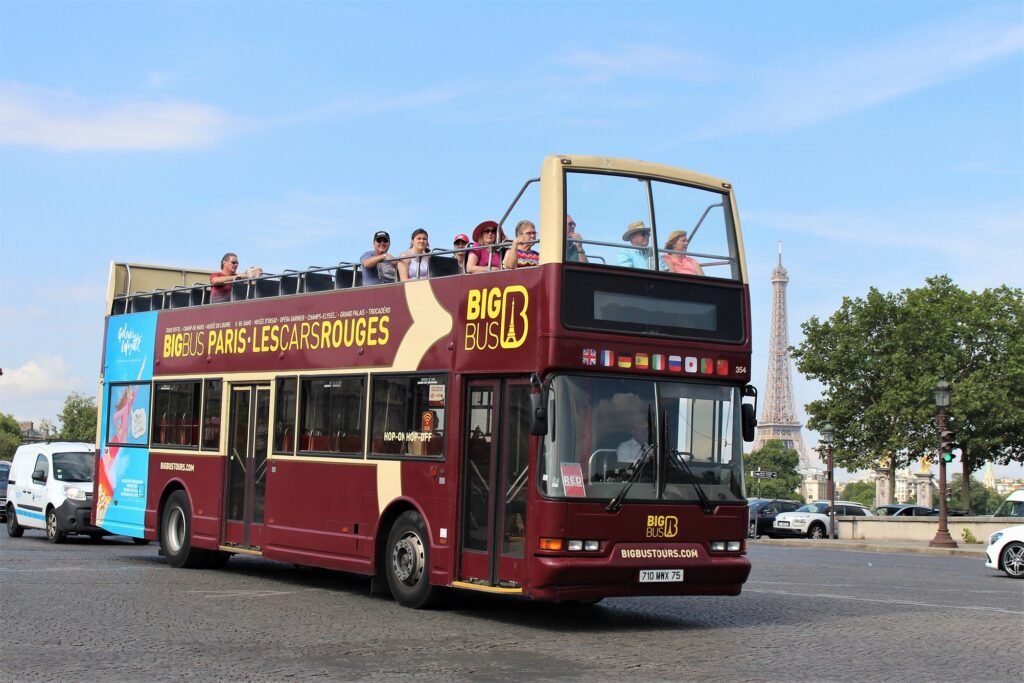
(947, 444)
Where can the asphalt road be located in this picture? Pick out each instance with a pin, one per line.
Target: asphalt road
(116, 611)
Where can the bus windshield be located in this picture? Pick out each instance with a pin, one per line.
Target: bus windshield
(602, 429)
(649, 224)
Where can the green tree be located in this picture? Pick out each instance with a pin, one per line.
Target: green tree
(879, 357)
(78, 418)
(862, 492)
(982, 501)
(774, 457)
(10, 436)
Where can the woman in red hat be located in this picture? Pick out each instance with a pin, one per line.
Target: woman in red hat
(484, 256)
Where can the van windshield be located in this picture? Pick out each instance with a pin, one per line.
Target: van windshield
(77, 466)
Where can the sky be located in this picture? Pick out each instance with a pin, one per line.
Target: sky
(880, 142)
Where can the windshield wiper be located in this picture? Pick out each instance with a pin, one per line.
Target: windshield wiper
(645, 455)
(680, 462)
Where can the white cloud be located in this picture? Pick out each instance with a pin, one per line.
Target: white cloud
(364, 105)
(41, 377)
(63, 120)
(802, 94)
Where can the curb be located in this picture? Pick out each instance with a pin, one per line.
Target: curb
(973, 551)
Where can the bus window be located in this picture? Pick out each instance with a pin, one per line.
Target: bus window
(602, 431)
(211, 413)
(408, 415)
(605, 206)
(284, 416)
(331, 415)
(175, 414)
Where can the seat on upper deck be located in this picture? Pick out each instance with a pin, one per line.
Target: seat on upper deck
(441, 266)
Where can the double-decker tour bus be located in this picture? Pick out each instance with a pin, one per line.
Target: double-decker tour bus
(565, 431)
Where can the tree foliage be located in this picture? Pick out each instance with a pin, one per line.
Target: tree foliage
(983, 500)
(78, 418)
(10, 436)
(878, 359)
(774, 457)
(862, 492)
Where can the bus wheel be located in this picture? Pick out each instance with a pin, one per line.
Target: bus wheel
(14, 530)
(176, 534)
(53, 530)
(408, 557)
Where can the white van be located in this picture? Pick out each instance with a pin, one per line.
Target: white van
(1013, 506)
(51, 488)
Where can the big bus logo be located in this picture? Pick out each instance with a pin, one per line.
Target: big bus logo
(662, 526)
(496, 318)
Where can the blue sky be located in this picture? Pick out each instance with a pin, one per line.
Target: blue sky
(881, 142)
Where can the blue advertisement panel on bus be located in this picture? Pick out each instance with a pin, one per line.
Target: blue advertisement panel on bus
(124, 462)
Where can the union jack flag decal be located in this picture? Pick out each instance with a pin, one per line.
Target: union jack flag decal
(590, 356)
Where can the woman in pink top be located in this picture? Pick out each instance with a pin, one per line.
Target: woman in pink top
(485, 256)
(678, 262)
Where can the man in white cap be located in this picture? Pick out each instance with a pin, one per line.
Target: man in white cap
(639, 254)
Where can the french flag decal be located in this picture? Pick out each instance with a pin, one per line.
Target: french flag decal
(608, 359)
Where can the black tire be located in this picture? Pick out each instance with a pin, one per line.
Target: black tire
(95, 538)
(54, 534)
(1012, 560)
(140, 541)
(407, 562)
(176, 534)
(14, 530)
(816, 532)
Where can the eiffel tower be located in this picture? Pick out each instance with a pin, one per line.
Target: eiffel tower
(778, 416)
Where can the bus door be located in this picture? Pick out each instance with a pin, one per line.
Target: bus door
(494, 483)
(245, 483)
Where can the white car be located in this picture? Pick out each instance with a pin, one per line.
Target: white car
(811, 520)
(1006, 551)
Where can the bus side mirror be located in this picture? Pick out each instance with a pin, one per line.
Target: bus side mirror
(749, 422)
(540, 414)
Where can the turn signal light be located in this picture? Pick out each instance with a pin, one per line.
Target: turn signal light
(551, 544)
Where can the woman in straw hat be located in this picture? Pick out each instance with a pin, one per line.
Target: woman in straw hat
(676, 259)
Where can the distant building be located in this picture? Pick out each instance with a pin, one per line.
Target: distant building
(29, 433)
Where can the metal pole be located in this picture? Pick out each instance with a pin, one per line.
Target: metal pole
(831, 493)
(942, 538)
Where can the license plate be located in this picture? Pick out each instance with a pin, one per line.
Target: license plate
(783, 523)
(660, 575)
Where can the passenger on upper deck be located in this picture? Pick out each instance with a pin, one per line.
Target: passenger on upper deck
(485, 255)
(414, 262)
(522, 253)
(459, 243)
(680, 262)
(228, 273)
(640, 255)
(378, 266)
(573, 242)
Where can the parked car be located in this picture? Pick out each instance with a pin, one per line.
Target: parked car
(763, 512)
(1006, 551)
(811, 520)
(904, 510)
(5, 471)
(51, 489)
(1013, 506)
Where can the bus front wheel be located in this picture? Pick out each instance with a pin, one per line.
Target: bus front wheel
(176, 534)
(407, 562)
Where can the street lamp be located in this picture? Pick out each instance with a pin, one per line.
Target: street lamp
(942, 538)
(826, 435)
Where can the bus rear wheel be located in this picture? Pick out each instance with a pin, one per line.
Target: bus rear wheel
(407, 562)
(176, 534)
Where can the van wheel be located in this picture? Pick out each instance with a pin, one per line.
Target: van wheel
(176, 534)
(14, 530)
(54, 534)
(407, 562)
